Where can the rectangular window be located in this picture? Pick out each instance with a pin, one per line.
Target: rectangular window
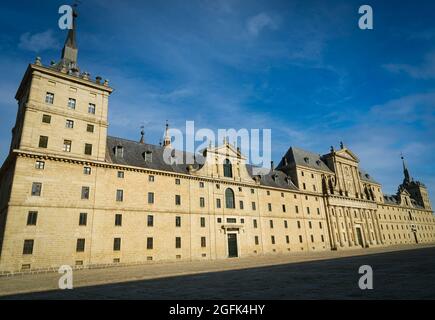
(269, 206)
(271, 224)
(150, 197)
(67, 145)
(83, 219)
(88, 149)
(320, 225)
(310, 225)
(151, 178)
(304, 186)
(150, 221)
(32, 216)
(297, 209)
(71, 103)
(300, 239)
(308, 210)
(36, 189)
(28, 247)
(255, 223)
(254, 206)
(218, 203)
(85, 193)
(177, 242)
(118, 219)
(203, 242)
(91, 108)
(283, 208)
(119, 195)
(49, 98)
(299, 224)
(312, 238)
(40, 165)
(87, 170)
(121, 174)
(150, 243)
(43, 142)
(177, 199)
(323, 238)
(231, 220)
(116, 244)
(46, 118)
(90, 128)
(69, 124)
(177, 181)
(318, 211)
(201, 184)
(252, 191)
(287, 239)
(202, 222)
(201, 202)
(256, 240)
(241, 204)
(273, 239)
(178, 221)
(285, 224)
(80, 245)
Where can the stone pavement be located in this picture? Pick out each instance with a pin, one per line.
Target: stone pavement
(400, 272)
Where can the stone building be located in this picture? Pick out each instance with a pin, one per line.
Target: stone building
(72, 195)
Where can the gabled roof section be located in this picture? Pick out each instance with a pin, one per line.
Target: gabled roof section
(364, 176)
(299, 157)
(274, 179)
(227, 149)
(347, 154)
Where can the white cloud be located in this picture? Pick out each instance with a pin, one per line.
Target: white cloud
(424, 71)
(38, 42)
(261, 21)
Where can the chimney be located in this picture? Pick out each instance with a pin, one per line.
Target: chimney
(272, 166)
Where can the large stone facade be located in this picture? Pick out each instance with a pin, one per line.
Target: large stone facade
(72, 195)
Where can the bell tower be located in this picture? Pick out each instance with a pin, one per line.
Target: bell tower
(62, 111)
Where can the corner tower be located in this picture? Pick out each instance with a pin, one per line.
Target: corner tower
(62, 111)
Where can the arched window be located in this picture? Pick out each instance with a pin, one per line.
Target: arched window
(228, 170)
(229, 198)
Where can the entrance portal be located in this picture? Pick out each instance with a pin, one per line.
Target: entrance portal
(232, 245)
(359, 237)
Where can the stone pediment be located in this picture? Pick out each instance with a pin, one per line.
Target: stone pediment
(347, 154)
(227, 150)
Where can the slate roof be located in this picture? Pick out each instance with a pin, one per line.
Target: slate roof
(394, 200)
(303, 158)
(366, 177)
(133, 155)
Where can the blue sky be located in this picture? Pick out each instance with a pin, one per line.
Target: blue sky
(302, 68)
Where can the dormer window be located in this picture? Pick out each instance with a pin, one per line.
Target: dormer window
(307, 160)
(228, 170)
(119, 151)
(148, 156)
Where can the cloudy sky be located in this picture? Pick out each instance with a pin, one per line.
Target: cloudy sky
(301, 68)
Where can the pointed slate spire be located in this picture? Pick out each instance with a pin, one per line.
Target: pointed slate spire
(407, 178)
(70, 50)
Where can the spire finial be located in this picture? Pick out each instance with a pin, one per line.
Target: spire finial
(142, 133)
(167, 138)
(341, 145)
(70, 51)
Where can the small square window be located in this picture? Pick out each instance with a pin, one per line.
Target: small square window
(88, 149)
(83, 219)
(36, 189)
(85, 193)
(71, 103)
(177, 181)
(121, 174)
(43, 141)
(46, 118)
(252, 191)
(40, 165)
(67, 145)
(87, 170)
(69, 124)
(32, 217)
(80, 245)
(28, 247)
(91, 108)
(151, 178)
(219, 220)
(201, 184)
(90, 128)
(49, 98)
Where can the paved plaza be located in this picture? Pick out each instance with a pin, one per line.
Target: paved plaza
(399, 273)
